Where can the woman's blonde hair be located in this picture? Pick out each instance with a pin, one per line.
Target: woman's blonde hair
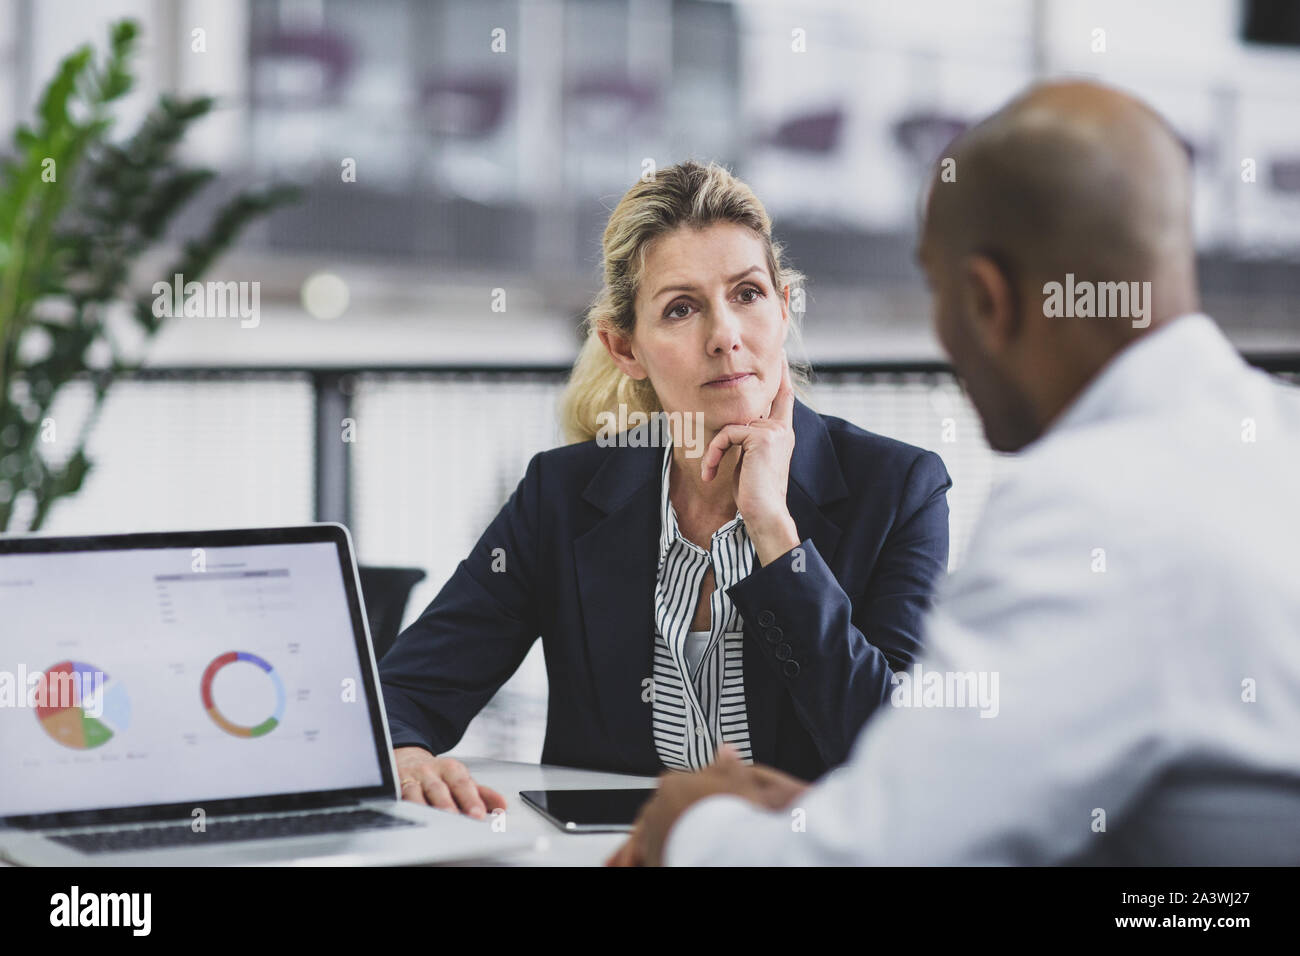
(687, 194)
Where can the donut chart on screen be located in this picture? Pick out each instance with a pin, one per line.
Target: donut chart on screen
(239, 730)
(80, 706)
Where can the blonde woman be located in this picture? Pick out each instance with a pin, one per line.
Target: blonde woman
(749, 573)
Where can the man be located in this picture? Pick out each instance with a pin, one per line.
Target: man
(1118, 661)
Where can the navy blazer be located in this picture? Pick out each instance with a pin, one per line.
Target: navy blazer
(573, 556)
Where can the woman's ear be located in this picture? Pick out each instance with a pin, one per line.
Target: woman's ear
(620, 350)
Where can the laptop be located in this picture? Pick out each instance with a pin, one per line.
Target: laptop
(202, 698)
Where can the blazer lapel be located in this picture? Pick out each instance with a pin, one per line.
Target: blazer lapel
(815, 481)
(617, 560)
(616, 565)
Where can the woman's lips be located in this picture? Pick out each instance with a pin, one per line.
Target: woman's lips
(731, 381)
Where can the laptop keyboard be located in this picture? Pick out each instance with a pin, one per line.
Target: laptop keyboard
(168, 836)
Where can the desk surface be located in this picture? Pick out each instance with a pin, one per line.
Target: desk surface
(555, 847)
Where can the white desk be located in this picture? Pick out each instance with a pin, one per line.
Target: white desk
(556, 847)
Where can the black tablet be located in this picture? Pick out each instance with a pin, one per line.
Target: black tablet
(589, 811)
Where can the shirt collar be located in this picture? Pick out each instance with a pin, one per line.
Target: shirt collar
(1162, 368)
(668, 530)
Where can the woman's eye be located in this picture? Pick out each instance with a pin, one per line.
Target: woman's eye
(749, 289)
(673, 312)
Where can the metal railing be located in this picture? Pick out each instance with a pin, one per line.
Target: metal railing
(416, 460)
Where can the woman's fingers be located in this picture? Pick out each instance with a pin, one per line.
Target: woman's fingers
(444, 783)
(413, 791)
(783, 404)
(491, 799)
(414, 766)
(729, 435)
(735, 434)
(436, 793)
(462, 787)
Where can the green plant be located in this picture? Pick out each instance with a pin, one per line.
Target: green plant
(77, 210)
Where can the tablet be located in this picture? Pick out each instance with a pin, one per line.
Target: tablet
(589, 811)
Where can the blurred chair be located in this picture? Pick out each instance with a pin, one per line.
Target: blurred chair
(602, 102)
(470, 107)
(1284, 174)
(923, 135)
(331, 53)
(1223, 816)
(814, 132)
(386, 591)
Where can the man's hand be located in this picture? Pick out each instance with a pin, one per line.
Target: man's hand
(775, 790)
(763, 786)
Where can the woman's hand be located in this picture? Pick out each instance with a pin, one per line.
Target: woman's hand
(762, 472)
(443, 783)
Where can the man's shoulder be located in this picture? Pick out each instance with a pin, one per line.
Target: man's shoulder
(1179, 489)
(1224, 434)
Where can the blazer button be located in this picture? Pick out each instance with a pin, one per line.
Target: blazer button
(791, 669)
(783, 652)
(773, 634)
(766, 618)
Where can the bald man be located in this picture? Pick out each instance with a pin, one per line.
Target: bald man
(1114, 674)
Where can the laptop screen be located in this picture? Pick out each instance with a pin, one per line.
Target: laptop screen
(181, 675)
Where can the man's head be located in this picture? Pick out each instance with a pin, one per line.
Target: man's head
(1035, 217)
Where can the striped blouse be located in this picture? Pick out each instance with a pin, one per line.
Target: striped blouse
(699, 687)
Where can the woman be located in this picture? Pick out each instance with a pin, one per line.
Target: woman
(755, 580)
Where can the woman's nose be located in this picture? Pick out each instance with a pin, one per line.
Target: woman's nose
(724, 331)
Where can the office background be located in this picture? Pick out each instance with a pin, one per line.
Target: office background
(479, 171)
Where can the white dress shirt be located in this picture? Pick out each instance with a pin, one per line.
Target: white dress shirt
(1131, 601)
(699, 683)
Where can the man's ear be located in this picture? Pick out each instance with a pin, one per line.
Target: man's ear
(620, 350)
(991, 302)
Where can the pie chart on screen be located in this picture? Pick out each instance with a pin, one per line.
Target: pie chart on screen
(80, 706)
